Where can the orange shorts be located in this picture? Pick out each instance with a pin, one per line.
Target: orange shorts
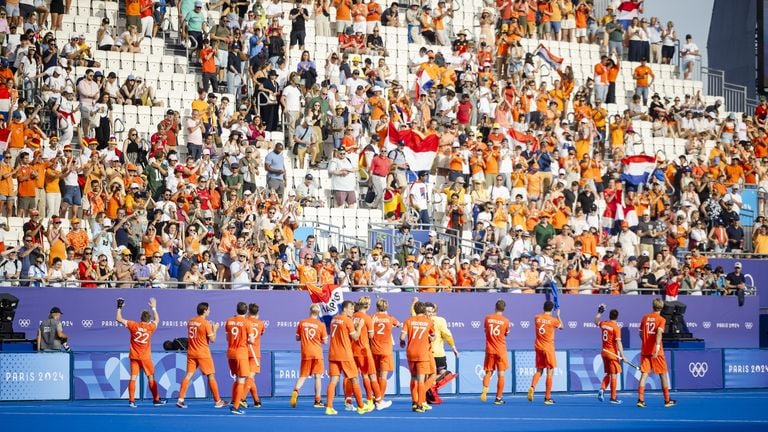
(254, 365)
(420, 367)
(204, 364)
(611, 365)
(545, 359)
(239, 367)
(365, 364)
(384, 362)
(142, 365)
(311, 367)
(656, 365)
(495, 362)
(348, 368)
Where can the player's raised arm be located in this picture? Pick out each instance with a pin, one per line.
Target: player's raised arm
(212, 335)
(559, 320)
(119, 313)
(153, 306)
(600, 310)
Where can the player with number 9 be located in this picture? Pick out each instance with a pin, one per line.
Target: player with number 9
(141, 350)
(652, 353)
(545, 325)
(496, 330)
(239, 338)
(200, 333)
(312, 335)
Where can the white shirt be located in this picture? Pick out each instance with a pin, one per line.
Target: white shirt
(630, 272)
(385, 279)
(688, 50)
(292, 97)
(242, 281)
(499, 192)
(342, 182)
(418, 195)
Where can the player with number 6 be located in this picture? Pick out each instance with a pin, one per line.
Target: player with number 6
(652, 353)
(496, 331)
(545, 325)
(140, 354)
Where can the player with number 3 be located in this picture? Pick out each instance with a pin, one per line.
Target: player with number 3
(496, 331)
(545, 325)
(141, 349)
(652, 353)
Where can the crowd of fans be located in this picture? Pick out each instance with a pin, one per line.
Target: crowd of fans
(181, 208)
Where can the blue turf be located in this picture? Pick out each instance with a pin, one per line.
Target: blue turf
(700, 412)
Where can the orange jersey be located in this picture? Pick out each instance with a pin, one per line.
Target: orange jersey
(418, 330)
(545, 332)
(199, 330)
(381, 343)
(362, 346)
(496, 331)
(611, 334)
(257, 329)
(341, 343)
(649, 326)
(311, 332)
(237, 337)
(141, 344)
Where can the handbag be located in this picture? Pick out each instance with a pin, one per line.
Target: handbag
(370, 196)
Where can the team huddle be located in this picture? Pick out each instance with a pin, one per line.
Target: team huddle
(361, 346)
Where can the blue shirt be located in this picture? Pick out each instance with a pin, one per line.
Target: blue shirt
(171, 260)
(276, 162)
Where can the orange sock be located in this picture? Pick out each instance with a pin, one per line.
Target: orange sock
(421, 387)
(548, 392)
(486, 379)
(347, 388)
(614, 384)
(131, 390)
(251, 385)
(535, 379)
(329, 395)
(358, 394)
(604, 383)
(183, 389)
(666, 394)
(367, 385)
(234, 388)
(641, 394)
(214, 386)
(383, 386)
(153, 389)
(414, 392)
(238, 394)
(500, 387)
(377, 394)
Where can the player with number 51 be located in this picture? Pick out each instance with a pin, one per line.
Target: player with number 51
(141, 349)
(545, 325)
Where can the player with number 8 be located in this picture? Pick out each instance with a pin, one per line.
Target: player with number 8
(496, 331)
(141, 349)
(612, 352)
(545, 325)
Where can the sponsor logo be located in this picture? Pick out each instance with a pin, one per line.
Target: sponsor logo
(525, 324)
(572, 324)
(748, 325)
(87, 323)
(698, 369)
(23, 322)
(479, 371)
(706, 324)
(475, 324)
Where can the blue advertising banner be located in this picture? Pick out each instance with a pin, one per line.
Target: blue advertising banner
(471, 373)
(754, 270)
(748, 206)
(91, 322)
(632, 375)
(525, 368)
(586, 371)
(170, 369)
(101, 375)
(286, 372)
(746, 368)
(34, 376)
(698, 370)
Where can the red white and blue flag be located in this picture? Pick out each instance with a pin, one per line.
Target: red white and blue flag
(420, 150)
(424, 82)
(637, 169)
(522, 139)
(329, 298)
(552, 60)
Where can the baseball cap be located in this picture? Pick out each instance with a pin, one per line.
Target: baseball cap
(55, 309)
(737, 265)
(308, 177)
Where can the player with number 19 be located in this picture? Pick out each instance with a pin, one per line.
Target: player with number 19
(496, 330)
(141, 349)
(311, 334)
(545, 325)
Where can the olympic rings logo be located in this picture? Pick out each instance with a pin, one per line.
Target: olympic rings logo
(572, 324)
(706, 324)
(698, 369)
(525, 324)
(87, 323)
(24, 322)
(748, 325)
(476, 324)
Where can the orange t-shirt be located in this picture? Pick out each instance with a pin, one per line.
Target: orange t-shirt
(381, 342)
(199, 330)
(611, 334)
(418, 329)
(649, 325)
(26, 187)
(237, 337)
(343, 11)
(496, 330)
(545, 332)
(642, 74)
(141, 345)
(311, 334)
(340, 348)
(362, 346)
(16, 136)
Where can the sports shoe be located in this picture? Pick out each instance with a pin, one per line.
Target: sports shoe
(236, 411)
(416, 408)
(426, 407)
(365, 409)
(670, 403)
(615, 401)
(349, 407)
(181, 404)
(159, 402)
(484, 394)
(383, 404)
(131, 404)
(640, 404)
(370, 405)
(221, 403)
(499, 401)
(600, 395)
(530, 394)
(549, 401)
(294, 398)
(331, 411)
(318, 404)
(243, 404)
(257, 404)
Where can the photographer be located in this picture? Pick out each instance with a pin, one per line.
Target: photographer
(50, 335)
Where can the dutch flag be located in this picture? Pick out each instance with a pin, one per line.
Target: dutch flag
(552, 60)
(637, 169)
(424, 82)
